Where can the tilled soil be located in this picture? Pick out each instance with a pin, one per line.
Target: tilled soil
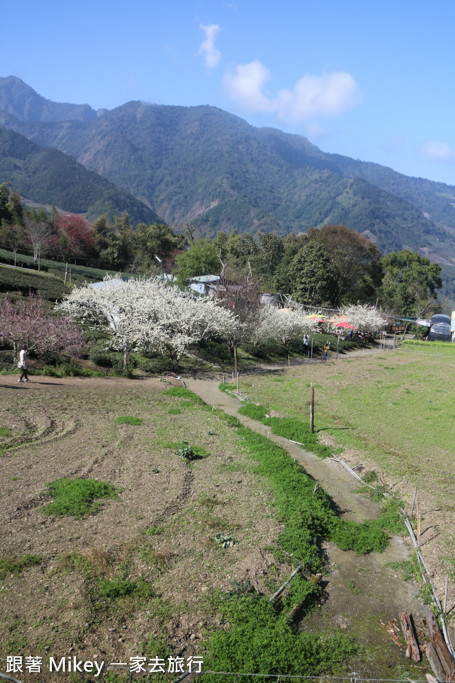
(66, 428)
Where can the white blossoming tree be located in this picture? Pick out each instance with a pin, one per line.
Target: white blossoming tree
(363, 318)
(280, 324)
(148, 315)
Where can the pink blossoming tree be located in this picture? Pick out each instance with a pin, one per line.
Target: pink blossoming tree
(29, 322)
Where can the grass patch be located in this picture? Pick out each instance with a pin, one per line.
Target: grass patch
(310, 518)
(129, 420)
(77, 497)
(9, 565)
(69, 369)
(113, 589)
(260, 641)
(5, 431)
(185, 394)
(291, 428)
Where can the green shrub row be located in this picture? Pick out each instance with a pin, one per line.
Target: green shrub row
(291, 428)
(49, 287)
(260, 637)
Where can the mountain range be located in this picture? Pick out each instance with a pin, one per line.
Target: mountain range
(206, 167)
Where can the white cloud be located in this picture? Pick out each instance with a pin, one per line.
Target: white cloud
(314, 96)
(438, 151)
(207, 48)
(311, 97)
(245, 85)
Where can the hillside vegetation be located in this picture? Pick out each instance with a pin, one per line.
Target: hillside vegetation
(203, 166)
(50, 177)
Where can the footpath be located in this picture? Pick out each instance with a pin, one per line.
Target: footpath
(362, 594)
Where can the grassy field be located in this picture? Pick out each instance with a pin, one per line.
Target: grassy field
(140, 522)
(391, 414)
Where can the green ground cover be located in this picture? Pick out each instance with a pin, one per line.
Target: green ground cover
(397, 407)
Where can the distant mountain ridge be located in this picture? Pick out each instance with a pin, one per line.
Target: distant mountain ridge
(20, 100)
(204, 166)
(50, 177)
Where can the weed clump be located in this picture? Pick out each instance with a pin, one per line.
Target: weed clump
(129, 420)
(186, 452)
(113, 589)
(289, 427)
(76, 497)
(10, 565)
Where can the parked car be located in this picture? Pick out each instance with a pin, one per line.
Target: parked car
(440, 328)
(440, 318)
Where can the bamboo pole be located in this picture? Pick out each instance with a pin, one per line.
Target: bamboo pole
(312, 408)
(413, 502)
(418, 523)
(281, 588)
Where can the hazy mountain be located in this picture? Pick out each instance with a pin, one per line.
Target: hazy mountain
(203, 166)
(50, 177)
(18, 99)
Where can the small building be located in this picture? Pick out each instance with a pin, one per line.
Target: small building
(202, 284)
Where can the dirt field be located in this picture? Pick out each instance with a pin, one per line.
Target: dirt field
(158, 537)
(160, 530)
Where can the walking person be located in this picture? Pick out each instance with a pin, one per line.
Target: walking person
(23, 364)
(326, 350)
(306, 345)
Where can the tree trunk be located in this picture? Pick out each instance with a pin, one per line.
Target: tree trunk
(236, 369)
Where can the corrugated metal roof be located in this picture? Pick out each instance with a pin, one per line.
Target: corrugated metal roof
(205, 278)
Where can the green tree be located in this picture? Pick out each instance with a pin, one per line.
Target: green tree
(410, 283)
(106, 241)
(313, 277)
(149, 242)
(5, 212)
(268, 257)
(355, 258)
(241, 248)
(200, 259)
(291, 246)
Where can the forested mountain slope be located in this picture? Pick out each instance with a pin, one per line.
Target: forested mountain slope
(204, 166)
(50, 177)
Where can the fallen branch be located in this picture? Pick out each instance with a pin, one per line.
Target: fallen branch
(281, 589)
(412, 647)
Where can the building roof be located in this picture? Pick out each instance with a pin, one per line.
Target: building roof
(205, 278)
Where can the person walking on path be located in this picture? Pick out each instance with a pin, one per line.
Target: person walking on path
(306, 345)
(326, 350)
(23, 364)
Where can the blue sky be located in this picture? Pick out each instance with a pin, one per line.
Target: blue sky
(366, 78)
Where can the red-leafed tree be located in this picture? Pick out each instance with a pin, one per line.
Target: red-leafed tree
(73, 236)
(29, 322)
